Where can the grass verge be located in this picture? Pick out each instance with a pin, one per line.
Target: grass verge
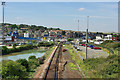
(97, 67)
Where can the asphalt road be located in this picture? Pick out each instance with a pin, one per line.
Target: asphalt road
(92, 53)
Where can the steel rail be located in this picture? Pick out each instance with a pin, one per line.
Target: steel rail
(50, 64)
(56, 64)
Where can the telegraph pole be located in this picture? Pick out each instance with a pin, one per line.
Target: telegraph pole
(78, 28)
(3, 4)
(87, 36)
(109, 45)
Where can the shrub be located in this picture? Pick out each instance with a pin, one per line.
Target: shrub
(12, 69)
(41, 60)
(32, 57)
(33, 63)
(45, 44)
(14, 45)
(70, 39)
(5, 50)
(23, 62)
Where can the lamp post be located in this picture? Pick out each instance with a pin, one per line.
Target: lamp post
(87, 36)
(3, 4)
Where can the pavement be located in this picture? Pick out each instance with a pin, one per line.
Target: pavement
(92, 53)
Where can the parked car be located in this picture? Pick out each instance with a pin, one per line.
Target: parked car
(91, 46)
(23, 43)
(82, 44)
(88, 45)
(9, 45)
(78, 48)
(97, 48)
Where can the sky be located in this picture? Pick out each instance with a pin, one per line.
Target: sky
(64, 15)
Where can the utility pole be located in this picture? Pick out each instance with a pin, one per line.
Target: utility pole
(78, 28)
(3, 3)
(87, 35)
(109, 45)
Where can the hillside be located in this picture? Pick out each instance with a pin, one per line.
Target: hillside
(102, 67)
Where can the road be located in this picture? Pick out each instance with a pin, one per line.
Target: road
(92, 53)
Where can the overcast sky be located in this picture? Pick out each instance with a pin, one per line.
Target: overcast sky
(103, 15)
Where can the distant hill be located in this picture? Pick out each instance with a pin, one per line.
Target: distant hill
(32, 27)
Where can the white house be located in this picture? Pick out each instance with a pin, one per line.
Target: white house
(26, 34)
(108, 37)
(98, 37)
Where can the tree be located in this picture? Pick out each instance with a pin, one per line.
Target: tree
(33, 63)
(23, 62)
(63, 32)
(12, 69)
(21, 26)
(13, 26)
(41, 60)
(5, 50)
(32, 57)
(70, 39)
(14, 46)
(34, 41)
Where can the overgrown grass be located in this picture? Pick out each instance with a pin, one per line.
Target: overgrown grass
(49, 51)
(75, 58)
(72, 66)
(102, 67)
(97, 67)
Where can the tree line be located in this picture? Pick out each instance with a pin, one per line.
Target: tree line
(31, 27)
(6, 50)
(21, 68)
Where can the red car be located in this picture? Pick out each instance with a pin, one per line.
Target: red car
(96, 48)
(9, 45)
(82, 44)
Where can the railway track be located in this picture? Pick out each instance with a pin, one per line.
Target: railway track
(53, 67)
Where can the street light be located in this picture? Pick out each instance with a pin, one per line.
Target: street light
(3, 3)
(87, 35)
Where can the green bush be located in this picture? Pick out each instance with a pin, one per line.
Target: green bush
(33, 62)
(45, 44)
(24, 62)
(14, 45)
(32, 57)
(12, 69)
(103, 67)
(70, 39)
(5, 50)
(107, 41)
(41, 60)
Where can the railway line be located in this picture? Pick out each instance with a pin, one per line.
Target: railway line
(53, 67)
